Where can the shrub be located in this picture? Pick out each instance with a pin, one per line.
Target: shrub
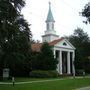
(1, 78)
(43, 74)
(79, 72)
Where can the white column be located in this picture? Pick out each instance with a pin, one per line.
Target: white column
(60, 63)
(54, 53)
(68, 63)
(73, 63)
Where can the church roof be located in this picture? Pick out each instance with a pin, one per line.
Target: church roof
(50, 15)
(37, 46)
(55, 41)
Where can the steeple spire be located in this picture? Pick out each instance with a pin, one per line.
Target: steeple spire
(50, 33)
(50, 22)
(50, 15)
(49, 4)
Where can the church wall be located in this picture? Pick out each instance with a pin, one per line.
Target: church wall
(49, 38)
(45, 39)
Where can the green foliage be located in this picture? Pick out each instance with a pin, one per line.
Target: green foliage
(43, 74)
(81, 41)
(15, 46)
(86, 13)
(79, 72)
(44, 60)
(35, 61)
(47, 60)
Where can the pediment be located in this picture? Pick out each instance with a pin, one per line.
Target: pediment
(64, 44)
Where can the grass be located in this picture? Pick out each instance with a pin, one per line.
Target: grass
(66, 84)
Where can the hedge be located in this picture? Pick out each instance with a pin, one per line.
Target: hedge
(43, 74)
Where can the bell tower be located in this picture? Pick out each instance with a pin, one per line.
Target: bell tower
(50, 33)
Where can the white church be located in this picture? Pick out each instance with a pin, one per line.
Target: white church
(63, 50)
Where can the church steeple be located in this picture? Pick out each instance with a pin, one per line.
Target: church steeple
(50, 22)
(50, 16)
(50, 33)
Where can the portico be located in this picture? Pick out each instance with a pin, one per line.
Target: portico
(65, 59)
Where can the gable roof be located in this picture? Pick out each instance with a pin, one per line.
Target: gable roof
(55, 41)
(37, 46)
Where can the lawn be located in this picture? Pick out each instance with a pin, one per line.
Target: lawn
(65, 84)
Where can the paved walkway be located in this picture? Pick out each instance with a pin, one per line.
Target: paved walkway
(84, 88)
(32, 81)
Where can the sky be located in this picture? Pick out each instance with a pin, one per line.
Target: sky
(65, 13)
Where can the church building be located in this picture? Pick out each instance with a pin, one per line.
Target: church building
(63, 50)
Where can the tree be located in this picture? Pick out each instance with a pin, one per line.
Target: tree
(81, 41)
(14, 37)
(46, 60)
(86, 12)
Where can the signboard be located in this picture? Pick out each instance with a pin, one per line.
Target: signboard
(6, 73)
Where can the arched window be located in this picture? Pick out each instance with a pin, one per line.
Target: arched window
(47, 26)
(52, 26)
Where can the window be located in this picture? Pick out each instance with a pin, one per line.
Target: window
(52, 26)
(47, 26)
(64, 44)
